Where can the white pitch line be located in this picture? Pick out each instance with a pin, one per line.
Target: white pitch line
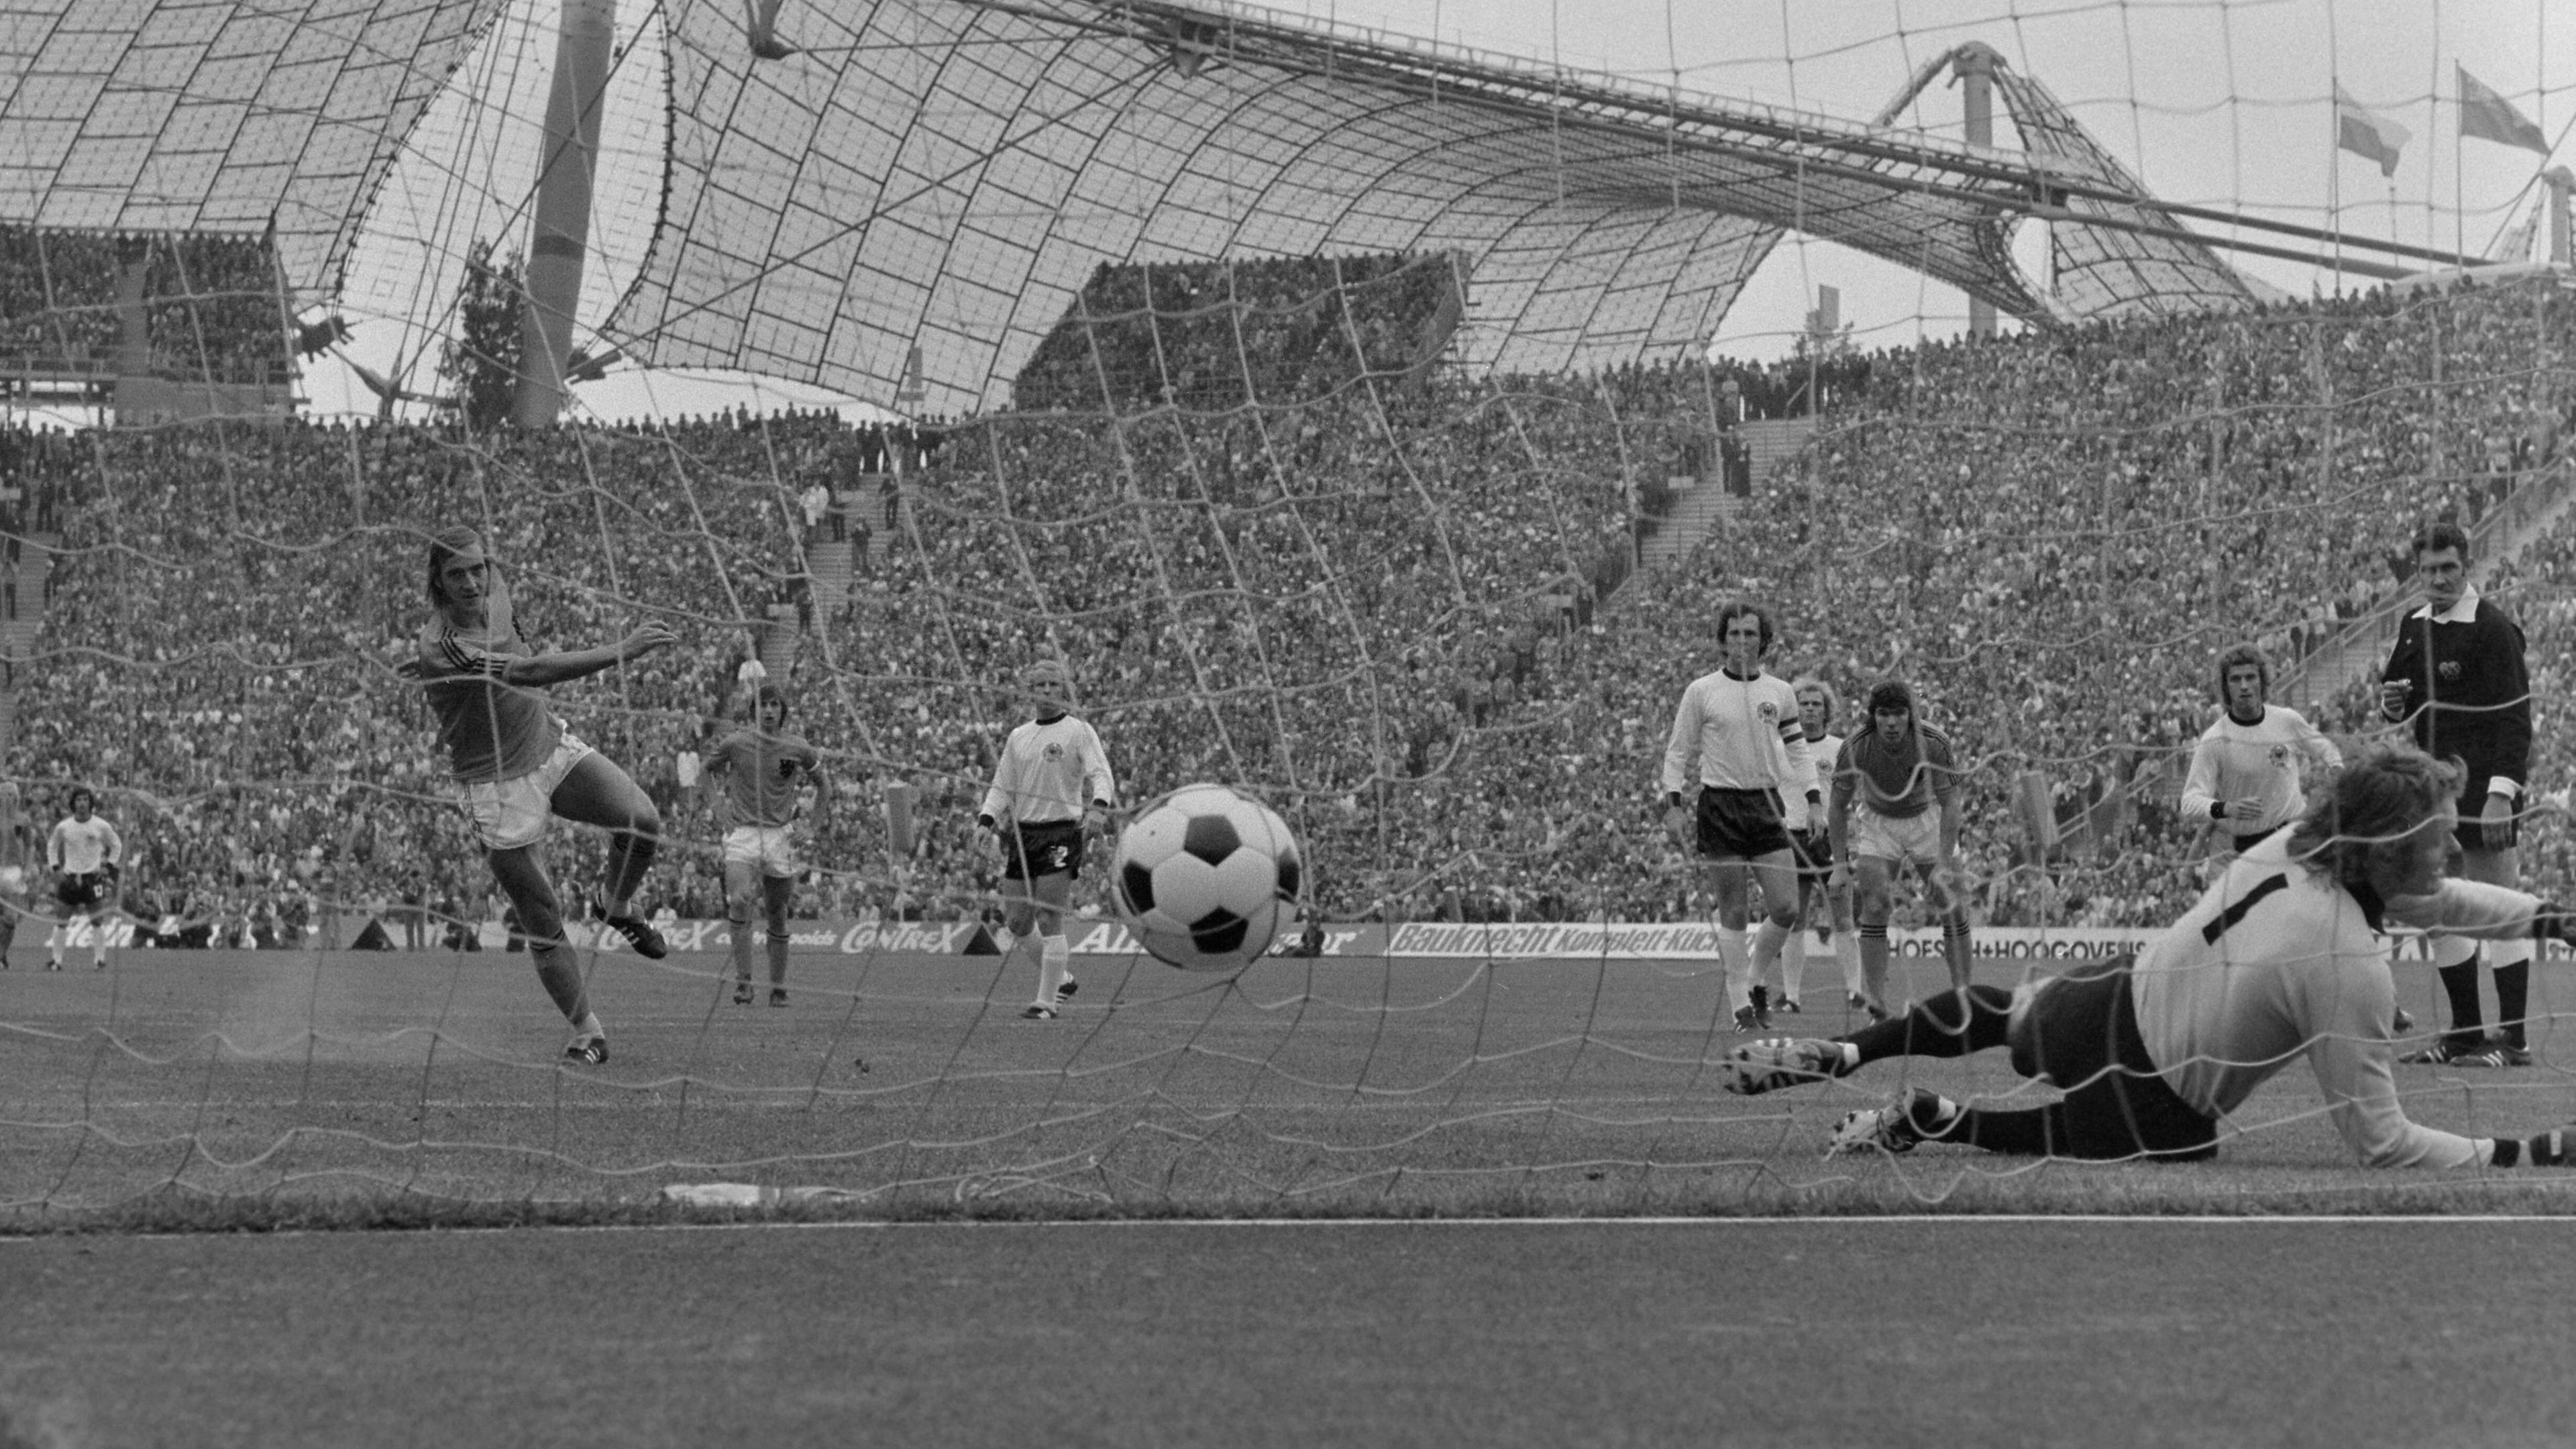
(2310, 1220)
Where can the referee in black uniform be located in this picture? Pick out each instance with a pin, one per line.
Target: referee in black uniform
(2457, 676)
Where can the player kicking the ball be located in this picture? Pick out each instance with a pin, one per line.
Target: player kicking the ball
(2281, 958)
(760, 765)
(517, 767)
(1052, 788)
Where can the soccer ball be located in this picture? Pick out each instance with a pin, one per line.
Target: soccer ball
(1207, 878)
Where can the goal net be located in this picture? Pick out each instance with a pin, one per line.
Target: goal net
(1296, 526)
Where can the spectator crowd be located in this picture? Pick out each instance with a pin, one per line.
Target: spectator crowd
(1396, 601)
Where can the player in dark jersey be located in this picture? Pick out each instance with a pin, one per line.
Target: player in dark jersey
(1896, 803)
(2457, 677)
(760, 765)
(518, 768)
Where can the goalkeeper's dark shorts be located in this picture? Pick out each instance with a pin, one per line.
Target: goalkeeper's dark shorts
(2080, 1034)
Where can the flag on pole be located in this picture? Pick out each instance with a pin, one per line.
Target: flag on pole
(2488, 116)
(2363, 134)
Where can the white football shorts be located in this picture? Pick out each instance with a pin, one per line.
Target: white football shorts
(764, 846)
(1915, 838)
(519, 811)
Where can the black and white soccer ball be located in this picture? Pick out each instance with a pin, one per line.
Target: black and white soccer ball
(1208, 878)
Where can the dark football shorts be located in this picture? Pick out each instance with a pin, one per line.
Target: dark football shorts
(1052, 847)
(2080, 1034)
(2474, 833)
(1741, 824)
(90, 888)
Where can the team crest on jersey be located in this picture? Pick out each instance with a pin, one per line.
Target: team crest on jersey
(1769, 712)
(1054, 751)
(2448, 670)
(2280, 757)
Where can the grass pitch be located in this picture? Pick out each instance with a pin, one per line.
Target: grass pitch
(264, 1089)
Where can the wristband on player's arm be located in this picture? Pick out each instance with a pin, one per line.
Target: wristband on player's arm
(2546, 1149)
(1672, 799)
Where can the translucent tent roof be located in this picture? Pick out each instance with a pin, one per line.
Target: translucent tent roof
(945, 174)
(217, 115)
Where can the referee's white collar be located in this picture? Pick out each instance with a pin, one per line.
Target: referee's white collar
(2461, 612)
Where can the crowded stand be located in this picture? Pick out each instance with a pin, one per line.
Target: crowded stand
(58, 297)
(210, 305)
(1400, 608)
(212, 309)
(1205, 335)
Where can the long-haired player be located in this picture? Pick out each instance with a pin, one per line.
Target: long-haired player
(1737, 730)
(517, 767)
(85, 854)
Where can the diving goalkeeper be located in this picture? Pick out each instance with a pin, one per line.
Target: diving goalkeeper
(2281, 958)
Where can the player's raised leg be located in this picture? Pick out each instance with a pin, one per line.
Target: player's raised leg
(596, 792)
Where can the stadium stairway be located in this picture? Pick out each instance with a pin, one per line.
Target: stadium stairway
(1775, 444)
(22, 619)
(1700, 505)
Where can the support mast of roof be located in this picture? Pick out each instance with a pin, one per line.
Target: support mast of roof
(584, 43)
(1975, 70)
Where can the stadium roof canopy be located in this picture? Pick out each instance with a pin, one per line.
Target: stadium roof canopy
(946, 174)
(218, 115)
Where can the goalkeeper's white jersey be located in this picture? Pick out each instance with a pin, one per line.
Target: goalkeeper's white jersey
(2276, 962)
(1049, 772)
(78, 847)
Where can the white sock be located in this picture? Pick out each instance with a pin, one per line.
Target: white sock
(1054, 956)
(1731, 960)
(1847, 955)
(1790, 966)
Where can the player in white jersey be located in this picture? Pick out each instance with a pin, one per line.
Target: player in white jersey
(85, 855)
(1738, 730)
(1817, 706)
(1051, 789)
(760, 765)
(2245, 769)
(2282, 958)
